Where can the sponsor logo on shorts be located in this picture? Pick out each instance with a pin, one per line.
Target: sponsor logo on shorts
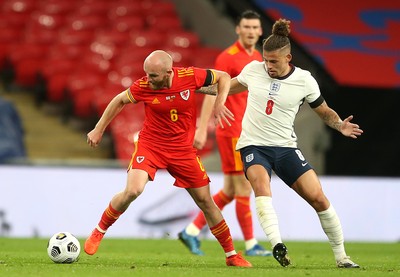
(249, 158)
(140, 159)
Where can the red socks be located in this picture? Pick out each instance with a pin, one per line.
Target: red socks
(223, 235)
(110, 215)
(243, 214)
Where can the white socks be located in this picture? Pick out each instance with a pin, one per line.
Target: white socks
(333, 229)
(329, 221)
(192, 230)
(250, 243)
(268, 219)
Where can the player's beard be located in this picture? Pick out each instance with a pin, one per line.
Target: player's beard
(156, 85)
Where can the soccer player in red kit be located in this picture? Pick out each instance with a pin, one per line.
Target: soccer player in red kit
(166, 142)
(236, 187)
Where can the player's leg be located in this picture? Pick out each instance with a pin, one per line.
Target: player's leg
(236, 186)
(189, 236)
(218, 226)
(244, 216)
(221, 198)
(309, 187)
(260, 181)
(136, 182)
(258, 172)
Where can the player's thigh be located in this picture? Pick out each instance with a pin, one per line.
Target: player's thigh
(188, 170)
(259, 179)
(136, 181)
(201, 195)
(309, 188)
(258, 168)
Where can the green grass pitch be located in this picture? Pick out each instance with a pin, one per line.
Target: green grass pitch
(168, 257)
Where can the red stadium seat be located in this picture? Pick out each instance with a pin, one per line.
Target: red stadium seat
(90, 22)
(163, 23)
(19, 6)
(180, 56)
(94, 7)
(123, 9)
(205, 57)
(81, 86)
(25, 51)
(75, 37)
(110, 38)
(8, 37)
(148, 39)
(127, 24)
(57, 7)
(124, 128)
(156, 8)
(182, 39)
(103, 95)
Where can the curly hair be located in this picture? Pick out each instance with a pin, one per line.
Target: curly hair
(279, 37)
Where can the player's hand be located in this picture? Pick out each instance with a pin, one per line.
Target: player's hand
(222, 115)
(94, 138)
(200, 139)
(349, 129)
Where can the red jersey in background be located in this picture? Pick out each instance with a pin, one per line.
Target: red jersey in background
(232, 60)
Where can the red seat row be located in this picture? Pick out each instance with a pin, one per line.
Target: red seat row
(87, 51)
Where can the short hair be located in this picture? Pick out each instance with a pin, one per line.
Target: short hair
(279, 37)
(248, 14)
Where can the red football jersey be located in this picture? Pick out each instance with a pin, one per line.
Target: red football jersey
(232, 60)
(170, 113)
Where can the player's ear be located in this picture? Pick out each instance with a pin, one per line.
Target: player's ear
(289, 57)
(237, 30)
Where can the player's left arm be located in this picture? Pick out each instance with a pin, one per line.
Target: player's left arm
(332, 119)
(222, 79)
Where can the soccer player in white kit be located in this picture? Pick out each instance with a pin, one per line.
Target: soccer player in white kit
(277, 89)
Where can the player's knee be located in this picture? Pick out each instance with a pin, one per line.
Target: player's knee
(320, 202)
(132, 193)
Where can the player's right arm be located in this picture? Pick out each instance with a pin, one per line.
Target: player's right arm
(113, 108)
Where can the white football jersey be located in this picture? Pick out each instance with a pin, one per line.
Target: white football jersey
(272, 105)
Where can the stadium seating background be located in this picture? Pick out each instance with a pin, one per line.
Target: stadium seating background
(80, 53)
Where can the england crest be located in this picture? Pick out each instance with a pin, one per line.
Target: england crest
(275, 86)
(249, 158)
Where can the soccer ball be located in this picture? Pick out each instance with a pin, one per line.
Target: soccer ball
(64, 248)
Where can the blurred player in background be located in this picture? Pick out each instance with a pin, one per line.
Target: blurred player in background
(236, 187)
(268, 142)
(166, 142)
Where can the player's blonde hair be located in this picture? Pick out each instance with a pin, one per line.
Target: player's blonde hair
(280, 36)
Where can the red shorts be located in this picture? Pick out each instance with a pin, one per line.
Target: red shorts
(230, 158)
(184, 165)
